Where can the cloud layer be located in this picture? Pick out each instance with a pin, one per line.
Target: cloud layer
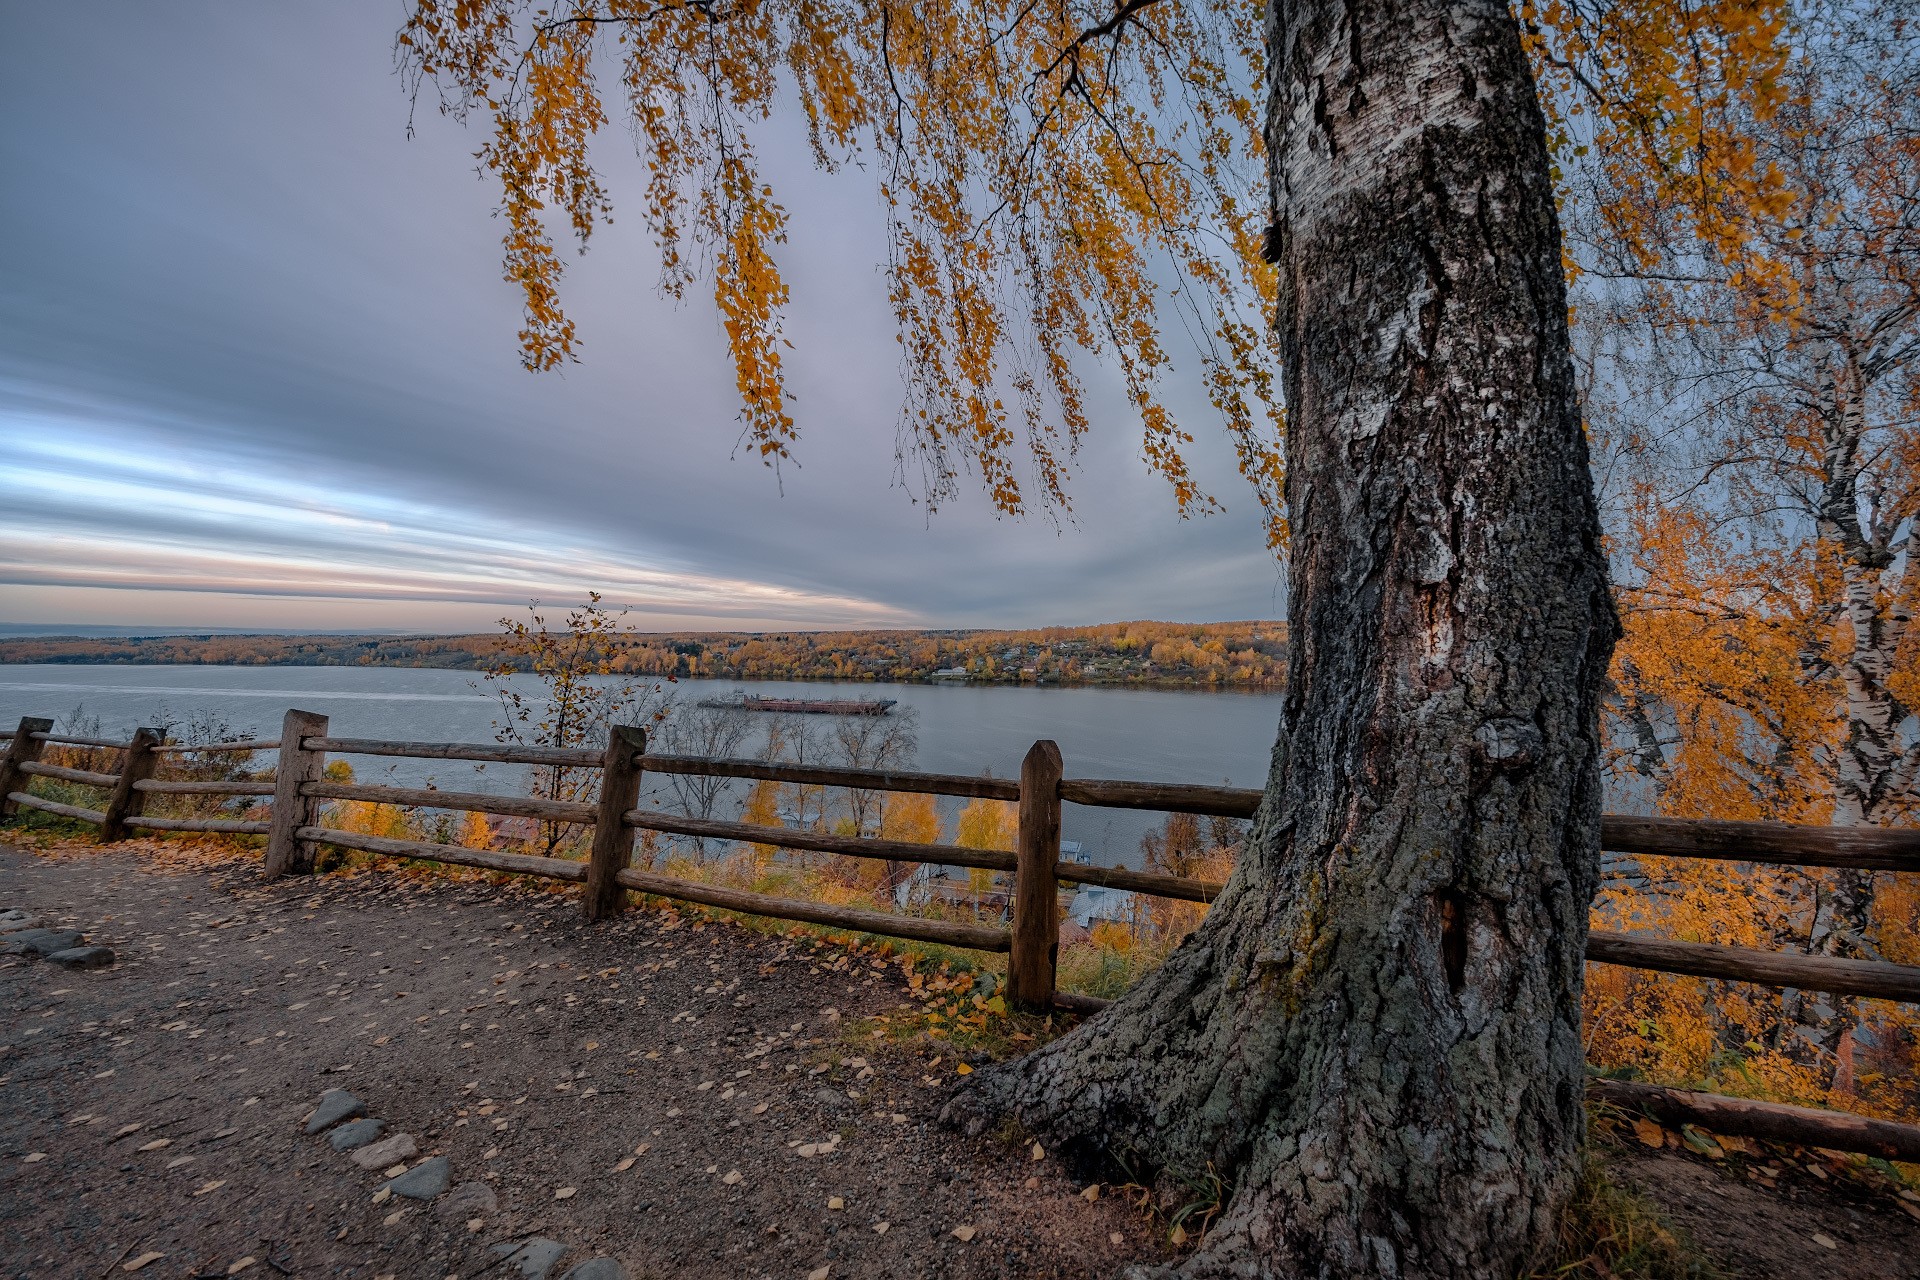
(257, 368)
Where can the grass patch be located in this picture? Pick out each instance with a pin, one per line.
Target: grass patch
(1610, 1232)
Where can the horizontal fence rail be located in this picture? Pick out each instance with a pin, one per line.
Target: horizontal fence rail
(295, 829)
(485, 752)
(1771, 1121)
(1163, 797)
(64, 741)
(1867, 848)
(156, 786)
(81, 776)
(468, 801)
(486, 859)
(950, 855)
(1873, 978)
(940, 784)
(1149, 882)
(216, 748)
(30, 801)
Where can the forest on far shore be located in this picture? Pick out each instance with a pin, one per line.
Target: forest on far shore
(1243, 654)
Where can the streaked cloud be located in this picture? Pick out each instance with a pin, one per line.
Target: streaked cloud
(96, 509)
(257, 368)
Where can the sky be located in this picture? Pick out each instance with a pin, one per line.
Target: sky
(258, 369)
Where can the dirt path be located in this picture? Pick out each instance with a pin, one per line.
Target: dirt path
(691, 1099)
(536, 1053)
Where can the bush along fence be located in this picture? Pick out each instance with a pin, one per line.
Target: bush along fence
(1032, 942)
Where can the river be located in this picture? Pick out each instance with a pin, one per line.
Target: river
(1149, 735)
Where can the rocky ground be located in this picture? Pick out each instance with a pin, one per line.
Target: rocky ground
(521, 1094)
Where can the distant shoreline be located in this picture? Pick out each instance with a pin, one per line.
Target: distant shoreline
(1218, 655)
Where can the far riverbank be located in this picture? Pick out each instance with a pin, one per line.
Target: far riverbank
(1153, 655)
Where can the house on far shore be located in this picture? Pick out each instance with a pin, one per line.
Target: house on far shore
(513, 831)
(1096, 903)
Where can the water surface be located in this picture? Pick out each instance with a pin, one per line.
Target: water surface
(1152, 735)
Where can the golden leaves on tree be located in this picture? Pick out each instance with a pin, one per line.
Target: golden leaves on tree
(1059, 181)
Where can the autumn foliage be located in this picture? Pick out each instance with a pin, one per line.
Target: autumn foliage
(1058, 181)
(1749, 303)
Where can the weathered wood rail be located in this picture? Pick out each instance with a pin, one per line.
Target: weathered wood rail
(1032, 942)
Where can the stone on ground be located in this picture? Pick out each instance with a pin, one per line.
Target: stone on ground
(335, 1105)
(424, 1181)
(356, 1133)
(468, 1200)
(82, 958)
(389, 1150)
(597, 1269)
(532, 1258)
(42, 941)
(48, 941)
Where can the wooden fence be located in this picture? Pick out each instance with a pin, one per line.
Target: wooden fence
(295, 831)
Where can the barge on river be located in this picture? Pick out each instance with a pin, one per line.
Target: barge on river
(742, 701)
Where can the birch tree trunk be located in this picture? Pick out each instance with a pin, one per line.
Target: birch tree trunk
(1374, 1037)
(1873, 766)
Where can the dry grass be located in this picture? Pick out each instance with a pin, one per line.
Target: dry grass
(1612, 1233)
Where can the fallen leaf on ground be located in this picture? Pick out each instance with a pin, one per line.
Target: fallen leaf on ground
(624, 1165)
(1091, 1194)
(1701, 1142)
(1037, 1151)
(1649, 1132)
(963, 1070)
(835, 1202)
(1178, 1236)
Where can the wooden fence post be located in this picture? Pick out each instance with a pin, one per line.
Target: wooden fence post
(136, 765)
(24, 749)
(620, 775)
(1036, 888)
(286, 853)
